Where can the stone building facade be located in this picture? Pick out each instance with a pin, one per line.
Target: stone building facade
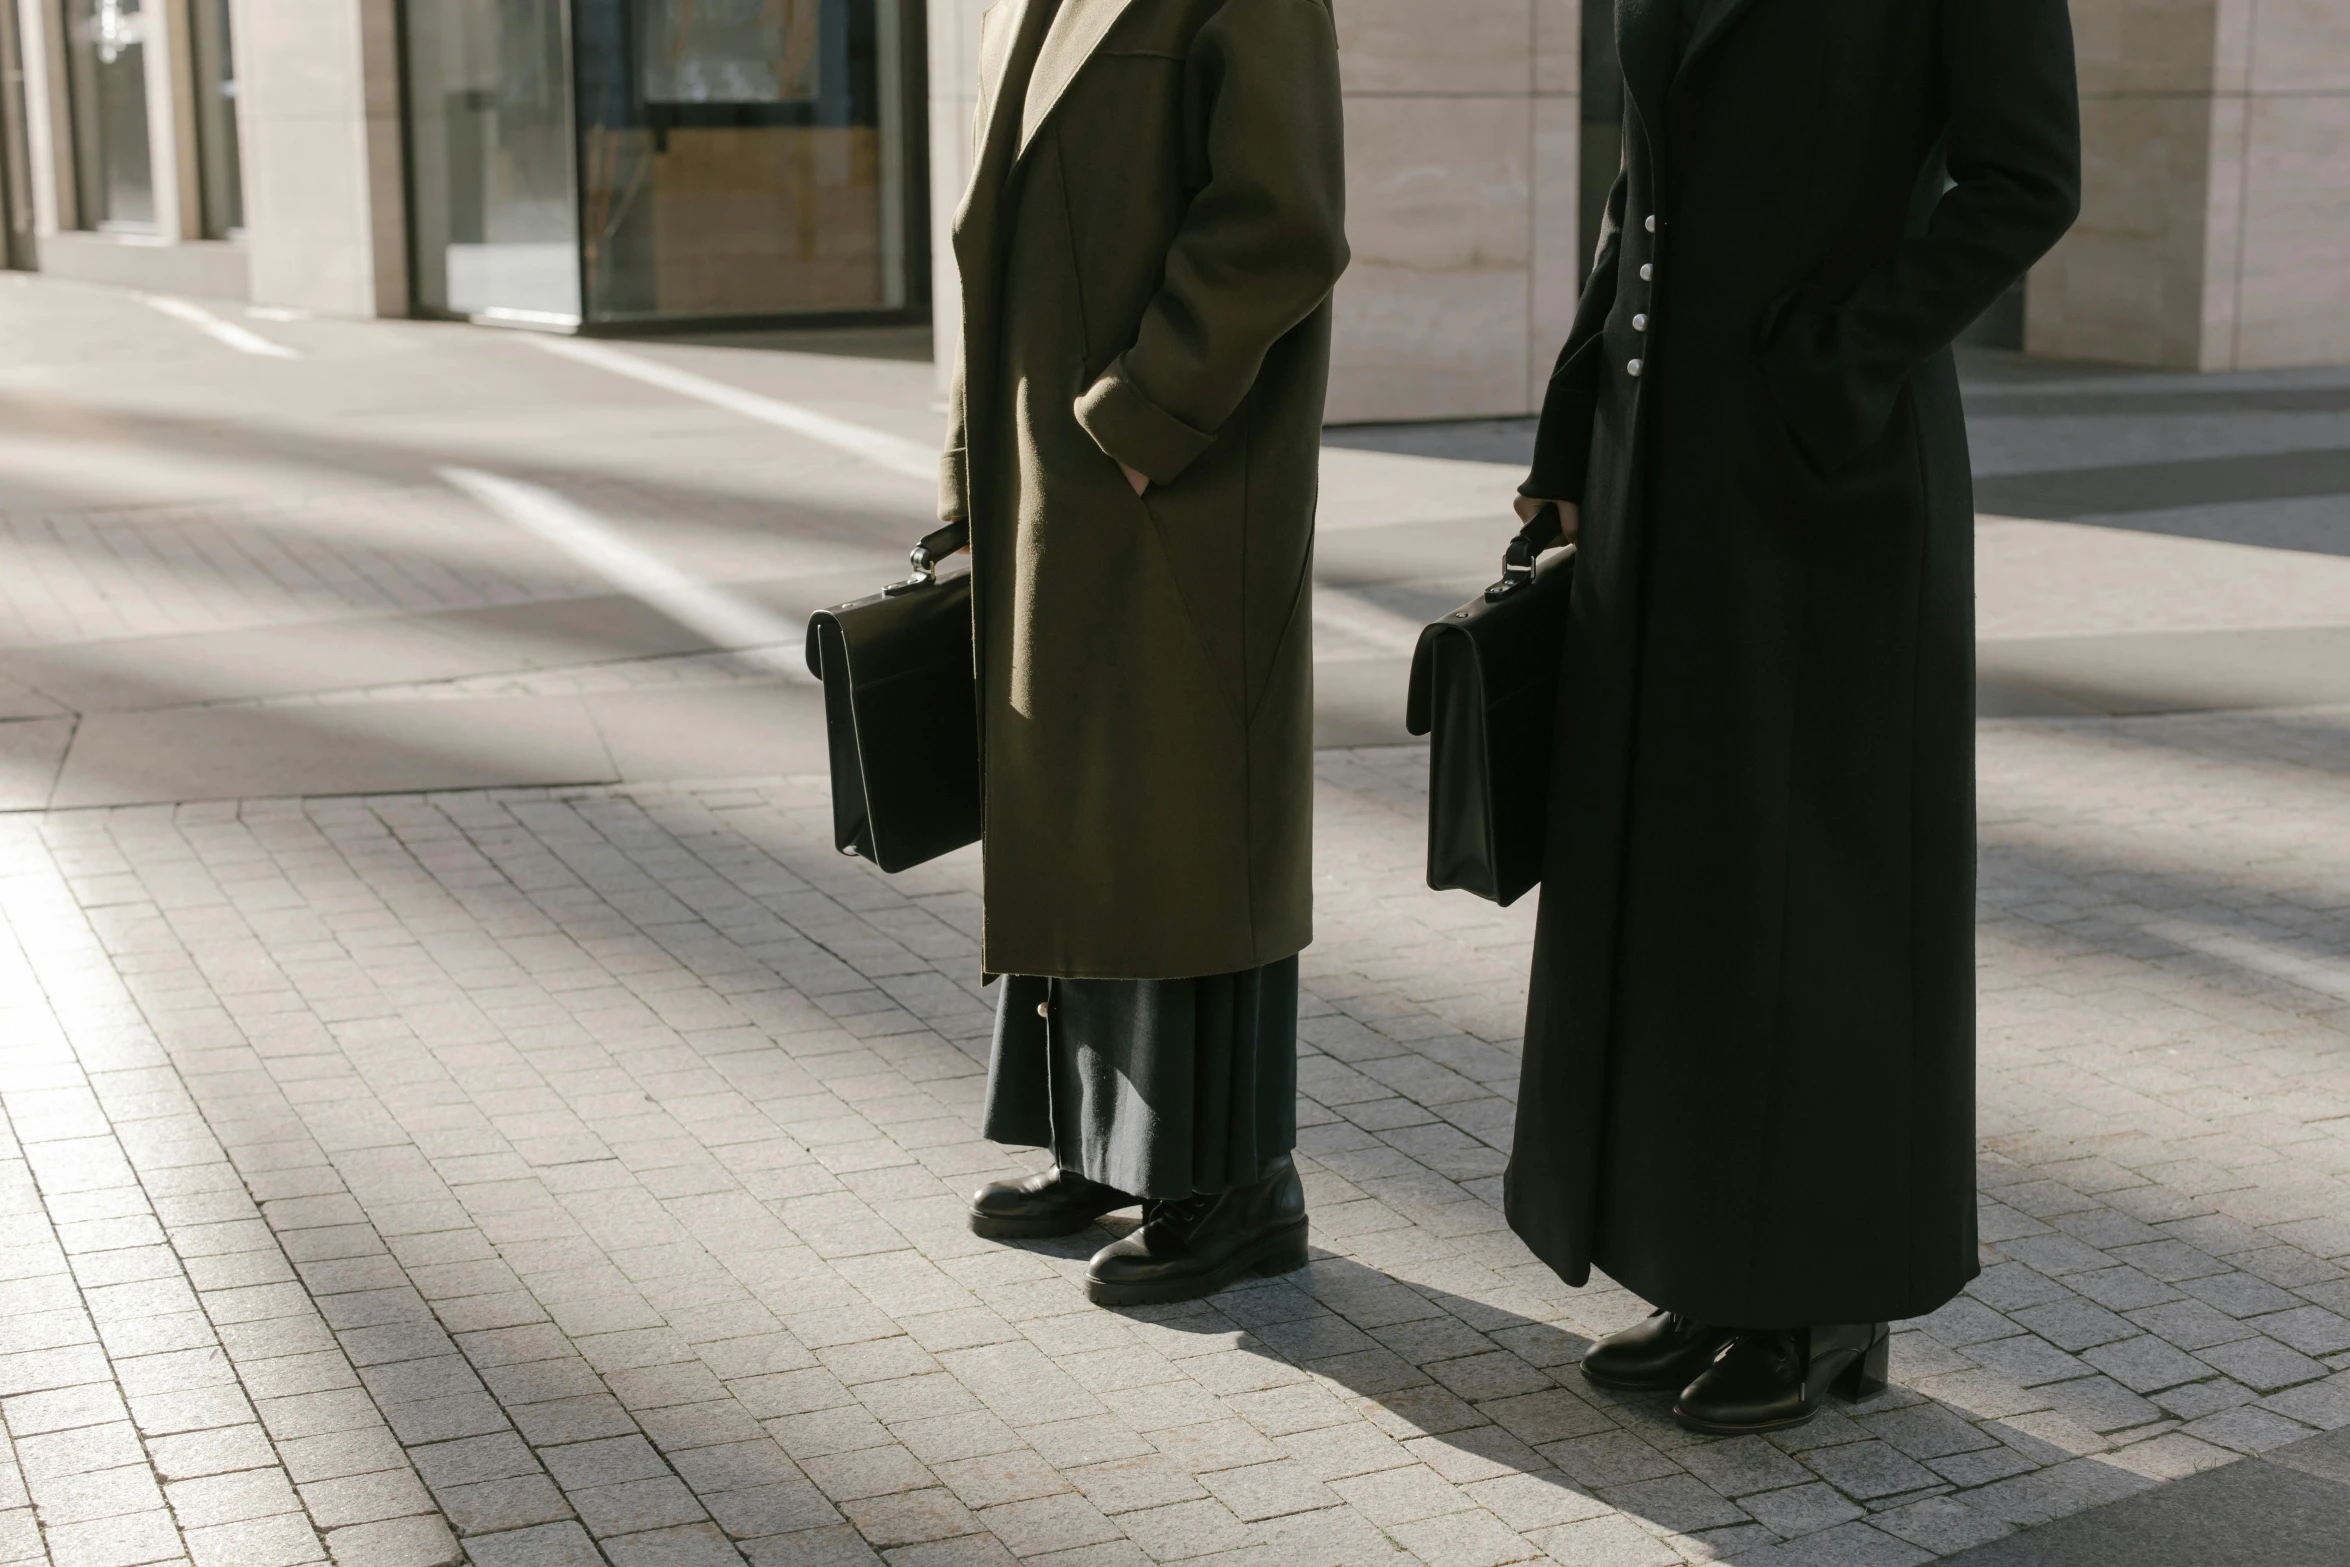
(387, 157)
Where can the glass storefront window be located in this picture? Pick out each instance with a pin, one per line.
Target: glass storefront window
(222, 176)
(106, 67)
(496, 225)
(741, 157)
(625, 161)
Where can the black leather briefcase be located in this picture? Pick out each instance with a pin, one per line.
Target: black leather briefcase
(901, 713)
(1485, 684)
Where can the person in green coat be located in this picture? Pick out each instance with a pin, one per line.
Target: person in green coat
(1748, 1087)
(1155, 222)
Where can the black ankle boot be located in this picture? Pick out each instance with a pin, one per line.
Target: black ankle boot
(1194, 1246)
(1058, 1202)
(1662, 1355)
(1773, 1380)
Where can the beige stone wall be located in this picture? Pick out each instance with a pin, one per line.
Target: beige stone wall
(318, 115)
(954, 99)
(1462, 126)
(2215, 224)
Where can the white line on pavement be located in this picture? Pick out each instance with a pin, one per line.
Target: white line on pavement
(242, 339)
(1348, 628)
(893, 452)
(728, 620)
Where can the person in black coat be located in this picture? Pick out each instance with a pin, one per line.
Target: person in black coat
(1748, 1089)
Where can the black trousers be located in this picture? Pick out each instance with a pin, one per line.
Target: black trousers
(1158, 1087)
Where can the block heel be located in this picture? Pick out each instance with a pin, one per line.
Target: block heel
(1868, 1374)
(1286, 1253)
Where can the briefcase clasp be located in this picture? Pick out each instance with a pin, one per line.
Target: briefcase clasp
(925, 556)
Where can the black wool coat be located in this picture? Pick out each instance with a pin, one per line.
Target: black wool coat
(1748, 1089)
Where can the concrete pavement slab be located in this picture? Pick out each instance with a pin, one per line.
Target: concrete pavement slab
(31, 752)
(2165, 672)
(144, 673)
(225, 753)
(768, 729)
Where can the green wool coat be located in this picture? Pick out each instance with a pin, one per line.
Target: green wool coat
(1147, 250)
(1748, 1091)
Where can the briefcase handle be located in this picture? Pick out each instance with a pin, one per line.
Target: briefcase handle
(925, 556)
(1547, 531)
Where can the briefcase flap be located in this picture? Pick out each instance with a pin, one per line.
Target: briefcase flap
(887, 634)
(1516, 631)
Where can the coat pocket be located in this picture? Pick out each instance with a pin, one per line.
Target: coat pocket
(1832, 407)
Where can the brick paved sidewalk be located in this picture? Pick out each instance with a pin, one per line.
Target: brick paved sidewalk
(578, 1174)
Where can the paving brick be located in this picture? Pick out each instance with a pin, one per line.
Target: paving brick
(115, 1542)
(546, 1545)
(397, 1542)
(231, 1498)
(836, 1545)
(491, 1506)
(2147, 1364)
(367, 1498)
(98, 1493)
(1613, 1541)
(1184, 1529)
(630, 1506)
(284, 1540)
(2263, 1364)
(217, 1451)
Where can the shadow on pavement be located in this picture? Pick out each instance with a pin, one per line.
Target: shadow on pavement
(1490, 1400)
(2287, 1508)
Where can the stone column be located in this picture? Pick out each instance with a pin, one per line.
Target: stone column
(318, 115)
(2215, 223)
(48, 124)
(1462, 128)
(953, 29)
(171, 120)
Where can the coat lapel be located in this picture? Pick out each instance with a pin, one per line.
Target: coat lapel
(1716, 16)
(1000, 27)
(1644, 47)
(1007, 51)
(1646, 38)
(1078, 30)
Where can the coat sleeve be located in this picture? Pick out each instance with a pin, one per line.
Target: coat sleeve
(954, 472)
(1562, 440)
(1259, 249)
(2013, 152)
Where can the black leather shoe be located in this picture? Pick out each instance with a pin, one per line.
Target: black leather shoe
(1771, 1381)
(1662, 1355)
(1058, 1202)
(1194, 1246)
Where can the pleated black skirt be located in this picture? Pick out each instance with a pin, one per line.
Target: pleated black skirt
(1158, 1087)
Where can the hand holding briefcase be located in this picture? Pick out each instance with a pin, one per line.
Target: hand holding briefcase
(1485, 683)
(901, 713)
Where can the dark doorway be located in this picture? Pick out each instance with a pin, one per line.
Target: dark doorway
(16, 173)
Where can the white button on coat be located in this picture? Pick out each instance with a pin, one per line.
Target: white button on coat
(1632, 369)
(1651, 224)
(1640, 323)
(1647, 272)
